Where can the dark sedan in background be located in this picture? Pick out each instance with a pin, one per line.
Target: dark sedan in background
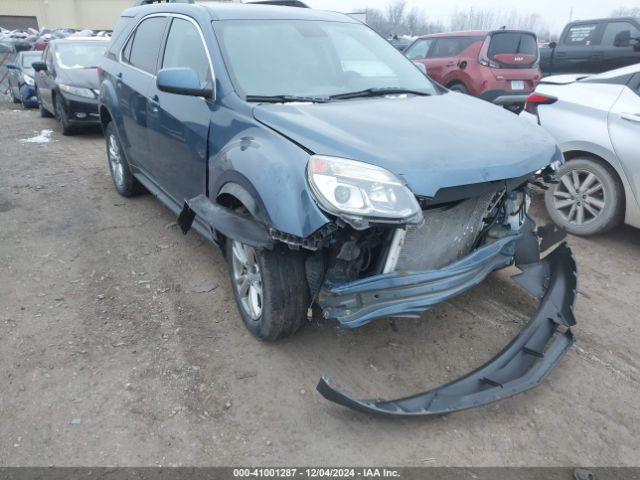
(67, 81)
(22, 86)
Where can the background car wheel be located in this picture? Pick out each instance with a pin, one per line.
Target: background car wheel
(126, 184)
(13, 95)
(62, 117)
(588, 198)
(44, 113)
(270, 288)
(459, 87)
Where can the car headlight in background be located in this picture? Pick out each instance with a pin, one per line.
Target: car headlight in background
(360, 193)
(27, 79)
(79, 91)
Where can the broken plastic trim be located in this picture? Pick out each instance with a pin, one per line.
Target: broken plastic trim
(229, 223)
(410, 293)
(522, 365)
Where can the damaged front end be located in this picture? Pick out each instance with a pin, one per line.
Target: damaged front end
(403, 271)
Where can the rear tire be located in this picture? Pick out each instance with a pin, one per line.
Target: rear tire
(270, 288)
(459, 87)
(588, 198)
(124, 181)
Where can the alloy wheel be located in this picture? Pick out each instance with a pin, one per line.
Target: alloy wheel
(247, 279)
(115, 161)
(579, 197)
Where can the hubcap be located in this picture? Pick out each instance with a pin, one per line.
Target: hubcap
(115, 161)
(247, 278)
(579, 197)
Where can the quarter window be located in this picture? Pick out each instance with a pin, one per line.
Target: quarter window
(613, 29)
(142, 48)
(185, 49)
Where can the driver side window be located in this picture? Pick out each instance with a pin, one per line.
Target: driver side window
(184, 49)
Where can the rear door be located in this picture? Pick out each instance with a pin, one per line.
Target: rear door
(134, 78)
(618, 53)
(579, 49)
(624, 130)
(443, 57)
(179, 124)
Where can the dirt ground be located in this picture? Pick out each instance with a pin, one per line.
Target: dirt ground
(111, 353)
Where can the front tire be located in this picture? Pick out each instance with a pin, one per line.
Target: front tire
(588, 198)
(270, 288)
(44, 113)
(124, 181)
(13, 95)
(62, 117)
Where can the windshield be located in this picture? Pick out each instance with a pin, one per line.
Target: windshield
(80, 55)
(313, 59)
(29, 58)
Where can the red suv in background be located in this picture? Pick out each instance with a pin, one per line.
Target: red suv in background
(500, 66)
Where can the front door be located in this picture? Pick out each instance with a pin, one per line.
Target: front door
(624, 129)
(134, 78)
(617, 53)
(179, 124)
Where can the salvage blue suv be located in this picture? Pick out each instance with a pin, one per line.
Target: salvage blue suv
(336, 175)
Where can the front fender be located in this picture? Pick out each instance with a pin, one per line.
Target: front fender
(270, 168)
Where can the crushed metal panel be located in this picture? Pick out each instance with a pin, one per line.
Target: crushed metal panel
(520, 366)
(224, 220)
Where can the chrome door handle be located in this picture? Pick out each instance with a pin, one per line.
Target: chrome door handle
(631, 117)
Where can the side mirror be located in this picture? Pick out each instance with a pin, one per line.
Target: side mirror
(421, 67)
(182, 81)
(39, 66)
(622, 39)
(12, 66)
(553, 45)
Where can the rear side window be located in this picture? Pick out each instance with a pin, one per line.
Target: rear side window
(142, 48)
(582, 34)
(419, 49)
(118, 30)
(512, 43)
(613, 31)
(450, 47)
(185, 49)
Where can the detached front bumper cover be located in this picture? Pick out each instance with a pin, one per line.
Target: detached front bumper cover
(522, 365)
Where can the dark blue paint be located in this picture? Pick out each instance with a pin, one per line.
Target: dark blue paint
(189, 145)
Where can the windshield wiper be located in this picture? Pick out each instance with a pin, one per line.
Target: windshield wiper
(284, 99)
(377, 92)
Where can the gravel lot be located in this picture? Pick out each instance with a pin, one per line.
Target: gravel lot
(111, 354)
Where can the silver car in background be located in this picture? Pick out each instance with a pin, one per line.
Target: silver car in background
(596, 121)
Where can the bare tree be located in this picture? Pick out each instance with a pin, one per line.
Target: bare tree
(626, 12)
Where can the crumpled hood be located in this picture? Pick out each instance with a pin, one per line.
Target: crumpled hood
(432, 142)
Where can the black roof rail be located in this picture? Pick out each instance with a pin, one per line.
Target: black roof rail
(150, 2)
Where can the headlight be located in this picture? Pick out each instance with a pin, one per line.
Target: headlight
(80, 91)
(27, 79)
(359, 192)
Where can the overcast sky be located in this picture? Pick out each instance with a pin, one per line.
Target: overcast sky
(555, 12)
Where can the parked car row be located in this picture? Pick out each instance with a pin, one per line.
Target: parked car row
(318, 201)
